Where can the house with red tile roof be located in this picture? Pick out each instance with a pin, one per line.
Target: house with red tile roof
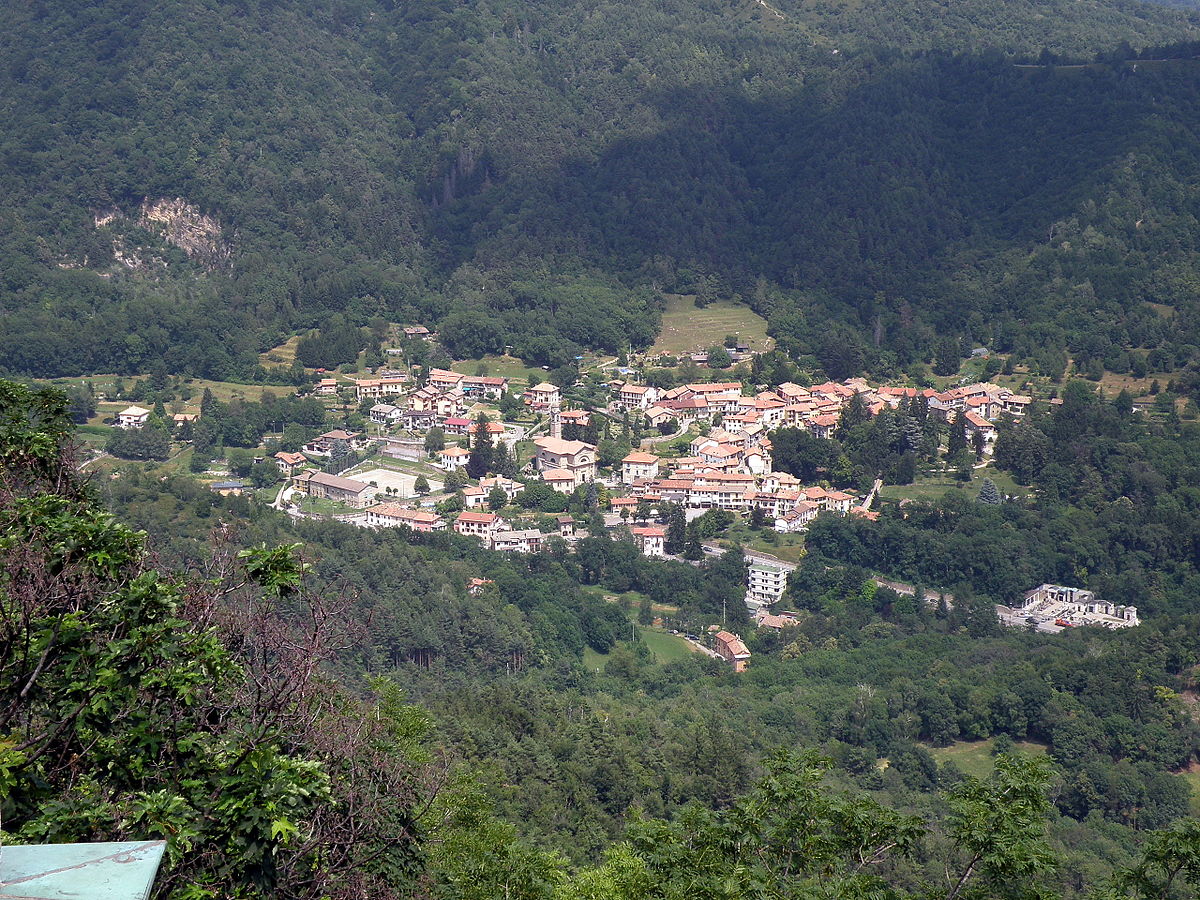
(730, 648)
(650, 539)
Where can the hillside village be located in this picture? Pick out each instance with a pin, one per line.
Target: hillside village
(518, 464)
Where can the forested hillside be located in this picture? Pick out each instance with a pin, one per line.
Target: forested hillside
(535, 174)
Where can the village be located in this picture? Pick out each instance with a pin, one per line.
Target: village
(502, 460)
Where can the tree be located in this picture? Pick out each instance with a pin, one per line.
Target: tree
(958, 436)
(264, 473)
(421, 485)
(479, 463)
(676, 529)
(497, 499)
(149, 704)
(503, 462)
(948, 357)
(435, 440)
(999, 826)
(988, 492)
(719, 358)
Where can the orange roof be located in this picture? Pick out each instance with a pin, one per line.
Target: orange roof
(637, 456)
(479, 518)
(732, 643)
(649, 531)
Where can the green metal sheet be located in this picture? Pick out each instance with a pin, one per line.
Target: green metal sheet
(105, 871)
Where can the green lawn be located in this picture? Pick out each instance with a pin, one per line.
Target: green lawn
(975, 757)
(686, 329)
(497, 366)
(666, 647)
(933, 487)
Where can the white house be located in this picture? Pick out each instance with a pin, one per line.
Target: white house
(133, 417)
(638, 465)
(651, 539)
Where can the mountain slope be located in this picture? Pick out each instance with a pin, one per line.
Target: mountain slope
(408, 160)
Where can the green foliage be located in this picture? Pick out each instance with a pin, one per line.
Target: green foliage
(149, 442)
(140, 704)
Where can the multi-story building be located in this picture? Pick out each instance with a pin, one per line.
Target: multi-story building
(765, 584)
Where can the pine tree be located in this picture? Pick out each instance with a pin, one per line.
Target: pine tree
(957, 441)
(988, 492)
(421, 485)
(676, 530)
(480, 461)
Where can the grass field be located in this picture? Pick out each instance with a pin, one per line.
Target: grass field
(497, 367)
(686, 329)
(283, 355)
(385, 478)
(222, 390)
(935, 486)
(665, 648)
(975, 757)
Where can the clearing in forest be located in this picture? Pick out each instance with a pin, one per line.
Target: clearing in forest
(687, 329)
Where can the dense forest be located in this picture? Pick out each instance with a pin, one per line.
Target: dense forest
(303, 713)
(646, 779)
(872, 177)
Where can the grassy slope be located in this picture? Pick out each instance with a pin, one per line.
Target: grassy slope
(686, 329)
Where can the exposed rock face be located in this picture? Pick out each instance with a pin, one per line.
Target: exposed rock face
(184, 226)
(180, 224)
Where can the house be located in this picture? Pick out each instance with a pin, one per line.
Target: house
(494, 429)
(185, 418)
(386, 414)
(322, 485)
(731, 649)
(650, 539)
(453, 458)
(798, 517)
(579, 417)
(323, 445)
(133, 417)
(765, 584)
(764, 619)
(289, 462)
(417, 332)
(475, 497)
(419, 419)
(823, 426)
(443, 380)
(389, 515)
(456, 425)
(656, 416)
(226, 488)
(562, 480)
(490, 387)
(326, 387)
(980, 429)
(476, 586)
(511, 488)
(566, 527)
(543, 396)
(1072, 606)
(478, 524)
(527, 540)
(576, 457)
(636, 396)
(638, 465)
(374, 388)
